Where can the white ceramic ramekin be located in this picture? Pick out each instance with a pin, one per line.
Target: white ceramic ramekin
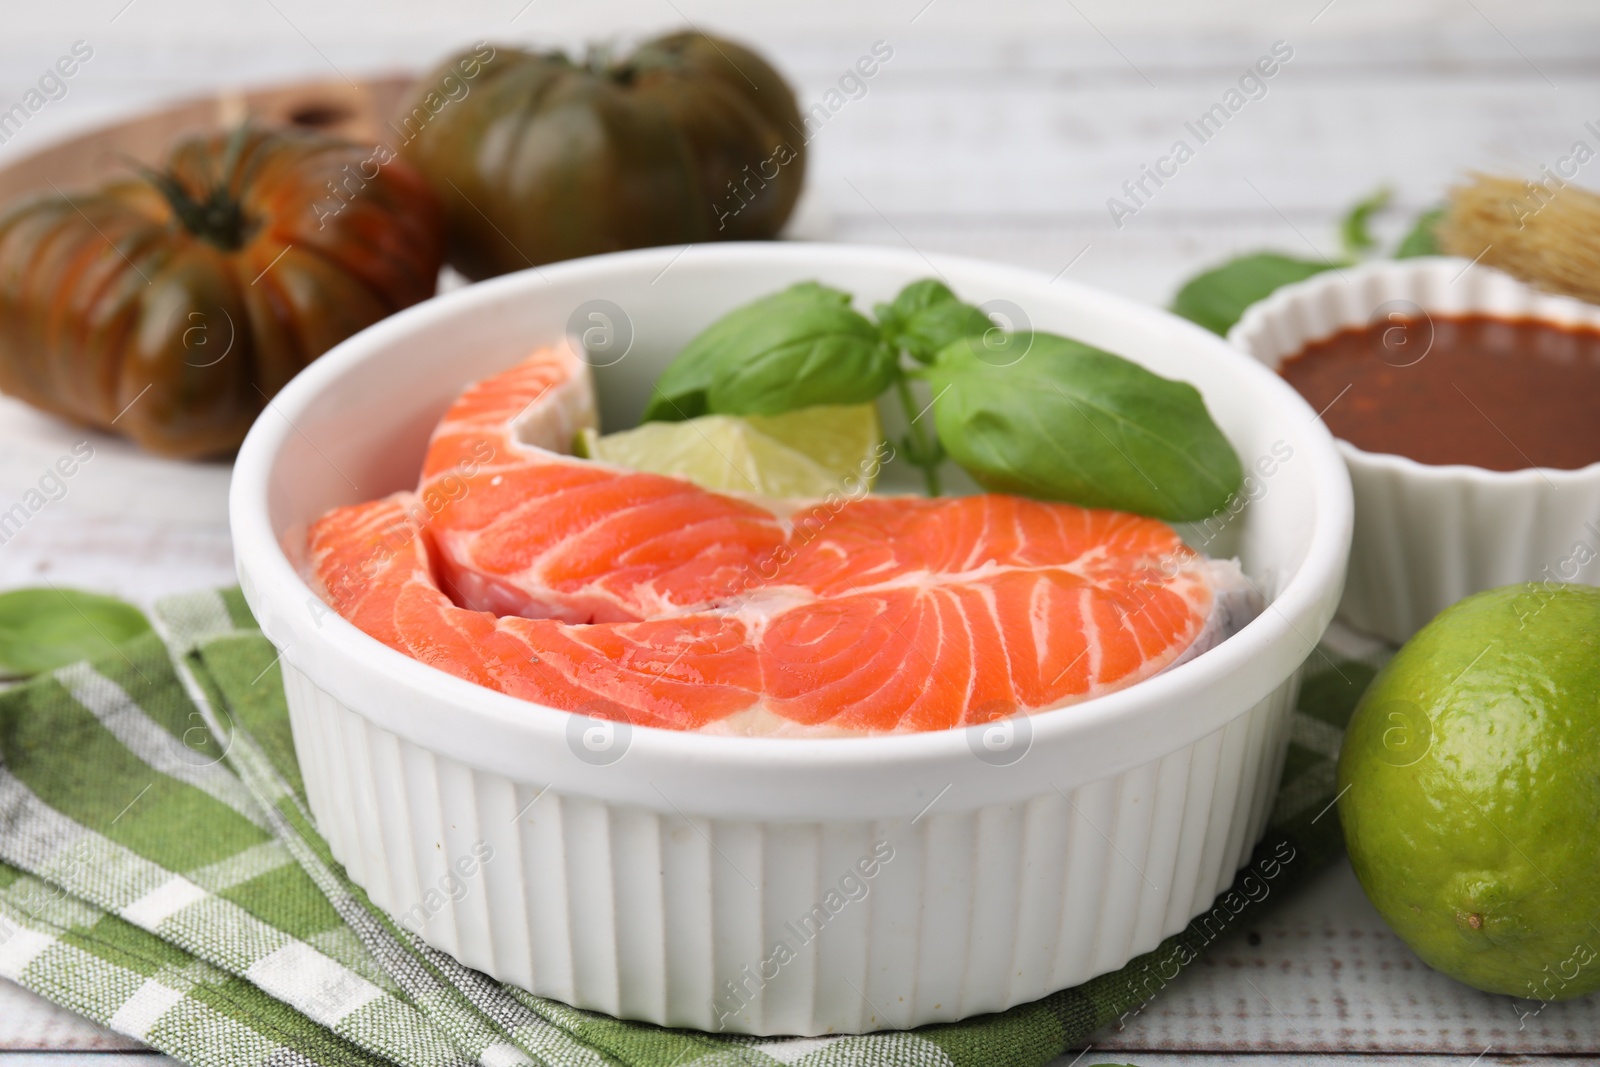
(652, 874)
(1426, 536)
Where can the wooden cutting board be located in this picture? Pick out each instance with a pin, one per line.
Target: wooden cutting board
(120, 479)
(359, 111)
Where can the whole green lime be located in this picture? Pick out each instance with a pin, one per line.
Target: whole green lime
(1471, 791)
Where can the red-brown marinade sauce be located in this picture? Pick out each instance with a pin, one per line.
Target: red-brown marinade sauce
(1504, 394)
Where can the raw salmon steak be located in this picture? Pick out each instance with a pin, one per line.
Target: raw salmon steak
(592, 588)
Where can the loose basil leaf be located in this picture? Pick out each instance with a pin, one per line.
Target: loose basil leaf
(1217, 298)
(1422, 240)
(42, 629)
(1356, 230)
(1071, 422)
(797, 348)
(927, 317)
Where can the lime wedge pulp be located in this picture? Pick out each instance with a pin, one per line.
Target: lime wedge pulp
(807, 453)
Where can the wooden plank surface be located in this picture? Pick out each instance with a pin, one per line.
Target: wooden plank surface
(997, 130)
(1322, 973)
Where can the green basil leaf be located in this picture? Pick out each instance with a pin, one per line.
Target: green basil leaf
(1421, 241)
(797, 348)
(927, 317)
(1217, 298)
(42, 629)
(1067, 421)
(1355, 231)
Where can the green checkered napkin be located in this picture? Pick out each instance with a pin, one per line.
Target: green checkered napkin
(176, 890)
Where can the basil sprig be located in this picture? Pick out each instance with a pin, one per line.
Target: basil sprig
(1071, 422)
(923, 319)
(1355, 230)
(927, 317)
(1421, 239)
(797, 348)
(1027, 413)
(1216, 298)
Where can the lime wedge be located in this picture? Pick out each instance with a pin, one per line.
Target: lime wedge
(807, 453)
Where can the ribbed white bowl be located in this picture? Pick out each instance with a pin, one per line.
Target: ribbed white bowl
(645, 914)
(651, 873)
(1426, 536)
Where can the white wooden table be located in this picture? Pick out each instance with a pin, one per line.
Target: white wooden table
(998, 129)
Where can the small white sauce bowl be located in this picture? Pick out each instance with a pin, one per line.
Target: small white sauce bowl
(650, 873)
(1428, 535)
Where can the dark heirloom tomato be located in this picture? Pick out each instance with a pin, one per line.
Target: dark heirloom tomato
(169, 309)
(538, 158)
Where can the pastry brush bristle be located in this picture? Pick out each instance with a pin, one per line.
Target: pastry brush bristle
(1546, 234)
